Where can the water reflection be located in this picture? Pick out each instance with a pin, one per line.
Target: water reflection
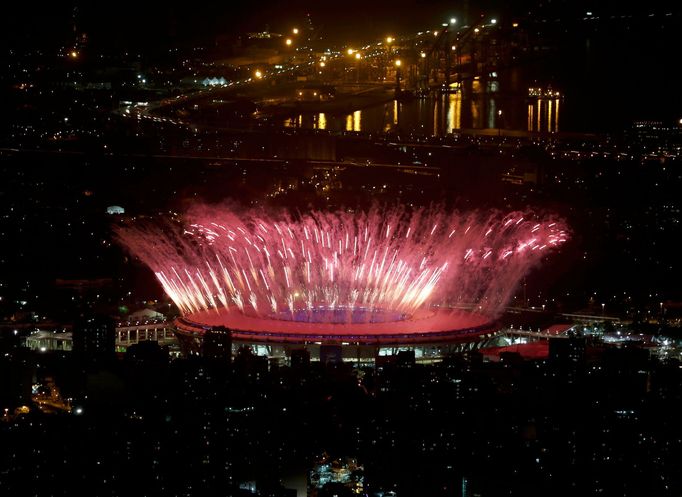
(492, 115)
(543, 115)
(476, 104)
(439, 115)
(454, 111)
(353, 121)
(531, 113)
(312, 121)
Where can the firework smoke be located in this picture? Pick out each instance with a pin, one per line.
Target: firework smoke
(385, 259)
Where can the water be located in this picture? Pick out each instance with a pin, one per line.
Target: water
(480, 105)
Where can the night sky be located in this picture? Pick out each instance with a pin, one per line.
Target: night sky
(128, 23)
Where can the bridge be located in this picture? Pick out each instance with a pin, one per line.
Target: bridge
(533, 335)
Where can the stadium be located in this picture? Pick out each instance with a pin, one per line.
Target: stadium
(346, 285)
(347, 334)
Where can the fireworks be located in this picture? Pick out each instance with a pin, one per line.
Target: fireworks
(297, 267)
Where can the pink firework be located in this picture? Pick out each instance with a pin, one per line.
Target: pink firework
(383, 259)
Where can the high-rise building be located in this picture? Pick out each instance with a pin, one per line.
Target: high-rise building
(567, 357)
(567, 351)
(94, 337)
(406, 359)
(330, 354)
(217, 344)
(300, 358)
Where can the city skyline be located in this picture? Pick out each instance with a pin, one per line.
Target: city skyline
(384, 250)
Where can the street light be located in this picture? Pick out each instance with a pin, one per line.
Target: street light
(397, 63)
(73, 54)
(258, 74)
(493, 21)
(389, 51)
(350, 51)
(322, 64)
(358, 56)
(453, 20)
(295, 31)
(288, 42)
